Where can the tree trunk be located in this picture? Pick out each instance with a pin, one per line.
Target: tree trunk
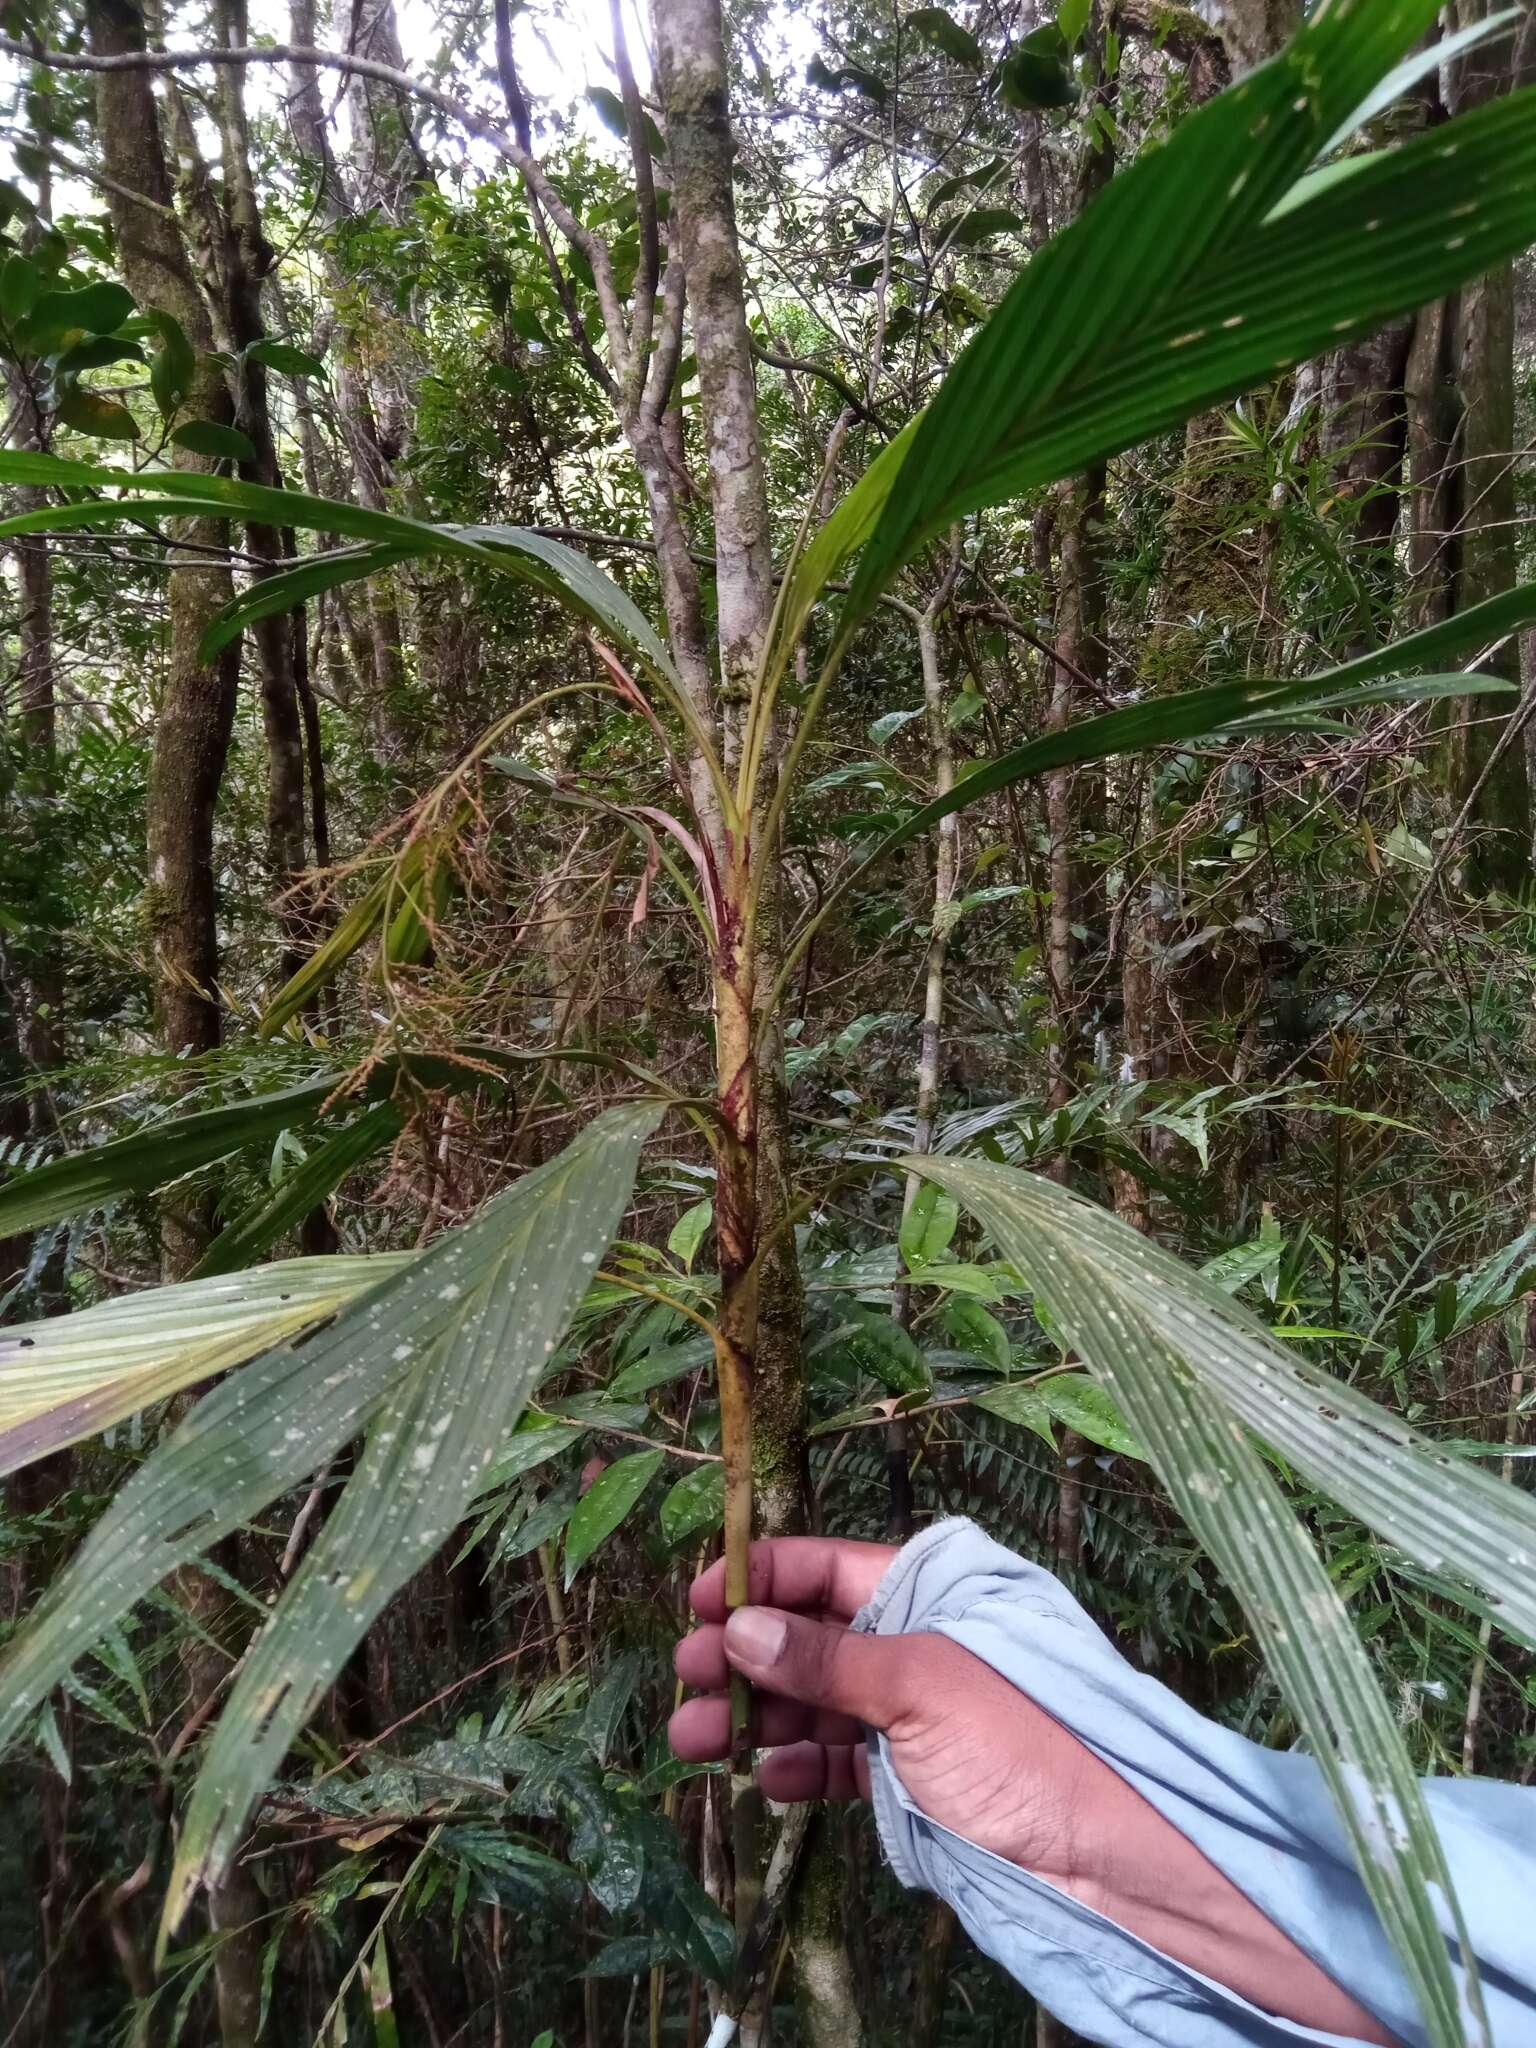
(196, 714)
(197, 704)
(280, 639)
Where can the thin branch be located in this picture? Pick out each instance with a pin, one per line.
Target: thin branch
(649, 270)
(517, 107)
(806, 366)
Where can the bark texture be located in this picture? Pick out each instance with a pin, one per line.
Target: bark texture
(197, 704)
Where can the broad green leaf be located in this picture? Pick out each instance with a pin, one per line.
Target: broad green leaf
(656, 1368)
(18, 288)
(938, 26)
(1036, 80)
(90, 309)
(972, 229)
(1072, 19)
(1020, 1402)
(511, 1294)
(172, 367)
(695, 1505)
(610, 110)
(89, 413)
(71, 1377)
(527, 1449)
(284, 356)
(267, 1426)
(927, 1227)
(971, 1329)
(1086, 1407)
(983, 1283)
(1171, 218)
(604, 1505)
(211, 438)
(1232, 1270)
(1241, 325)
(325, 1168)
(97, 353)
(1172, 292)
(689, 1232)
(880, 1346)
(1172, 1352)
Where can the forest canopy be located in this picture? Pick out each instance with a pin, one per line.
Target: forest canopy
(760, 772)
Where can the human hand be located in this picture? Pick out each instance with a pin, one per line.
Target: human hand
(976, 1755)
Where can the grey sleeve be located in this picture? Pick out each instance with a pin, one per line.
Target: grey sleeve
(1263, 1817)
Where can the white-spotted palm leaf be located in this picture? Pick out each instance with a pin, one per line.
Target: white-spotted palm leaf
(70, 1377)
(1194, 1375)
(491, 1297)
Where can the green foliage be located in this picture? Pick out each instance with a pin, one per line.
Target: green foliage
(1325, 1355)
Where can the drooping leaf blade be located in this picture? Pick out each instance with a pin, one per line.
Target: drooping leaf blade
(604, 1505)
(285, 589)
(428, 1450)
(1222, 1487)
(316, 1176)
(159, 1153)
(1446, 1515)
(70, 1377)
(267, 1426)
(560, 571)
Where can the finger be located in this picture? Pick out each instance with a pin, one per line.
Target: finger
(816, 1574)
(812, 1770)
(699, 1659)
(821, 1664)
(700, 1730)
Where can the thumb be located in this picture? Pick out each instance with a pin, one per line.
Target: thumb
(819, 1663)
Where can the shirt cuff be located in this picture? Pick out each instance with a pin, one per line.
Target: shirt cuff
(1096, 1977)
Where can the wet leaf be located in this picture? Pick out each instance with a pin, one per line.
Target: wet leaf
(927, 1227)
(1081, 1405)
(605, 1504)
(1019, 1403)
(695, 1505)
(972, 1329)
